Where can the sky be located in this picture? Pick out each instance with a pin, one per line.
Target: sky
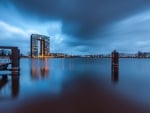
(77, 26)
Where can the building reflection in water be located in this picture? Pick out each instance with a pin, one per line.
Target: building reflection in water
(9, 85)
(40, 68)
(115, 66)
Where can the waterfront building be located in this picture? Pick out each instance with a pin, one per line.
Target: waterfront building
(44, 45)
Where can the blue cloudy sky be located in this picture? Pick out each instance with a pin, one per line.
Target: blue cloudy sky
(77, 26)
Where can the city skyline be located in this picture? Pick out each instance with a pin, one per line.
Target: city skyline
(77, 27)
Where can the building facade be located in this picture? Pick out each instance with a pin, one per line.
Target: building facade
(44, 45)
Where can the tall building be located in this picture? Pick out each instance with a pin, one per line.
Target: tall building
(44, 45)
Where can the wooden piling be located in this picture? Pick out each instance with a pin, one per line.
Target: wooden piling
(115, 66)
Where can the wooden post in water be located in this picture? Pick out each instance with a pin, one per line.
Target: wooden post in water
(115, 66)
(15, 59)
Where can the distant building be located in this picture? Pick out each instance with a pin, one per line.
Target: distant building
(143, 54)
(44, 45)
(147, 54)
(59, 55)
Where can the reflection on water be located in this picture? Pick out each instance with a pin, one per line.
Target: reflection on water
(9, 85)
(77, 85)
(39, 68)
(115, 73)
(15, 85)
(3, 81)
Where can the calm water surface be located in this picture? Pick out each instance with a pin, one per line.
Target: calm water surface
(77, 85)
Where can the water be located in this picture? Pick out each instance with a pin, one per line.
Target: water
(76, 85)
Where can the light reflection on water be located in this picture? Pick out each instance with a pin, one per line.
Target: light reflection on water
(39, 68)
(77, 80)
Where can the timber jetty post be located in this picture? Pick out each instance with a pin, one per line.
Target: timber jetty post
(115, 66)
(15, 57)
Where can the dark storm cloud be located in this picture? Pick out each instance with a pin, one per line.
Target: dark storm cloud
(80, 18)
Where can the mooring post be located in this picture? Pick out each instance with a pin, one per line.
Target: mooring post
(15, 59)
(115, 65)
